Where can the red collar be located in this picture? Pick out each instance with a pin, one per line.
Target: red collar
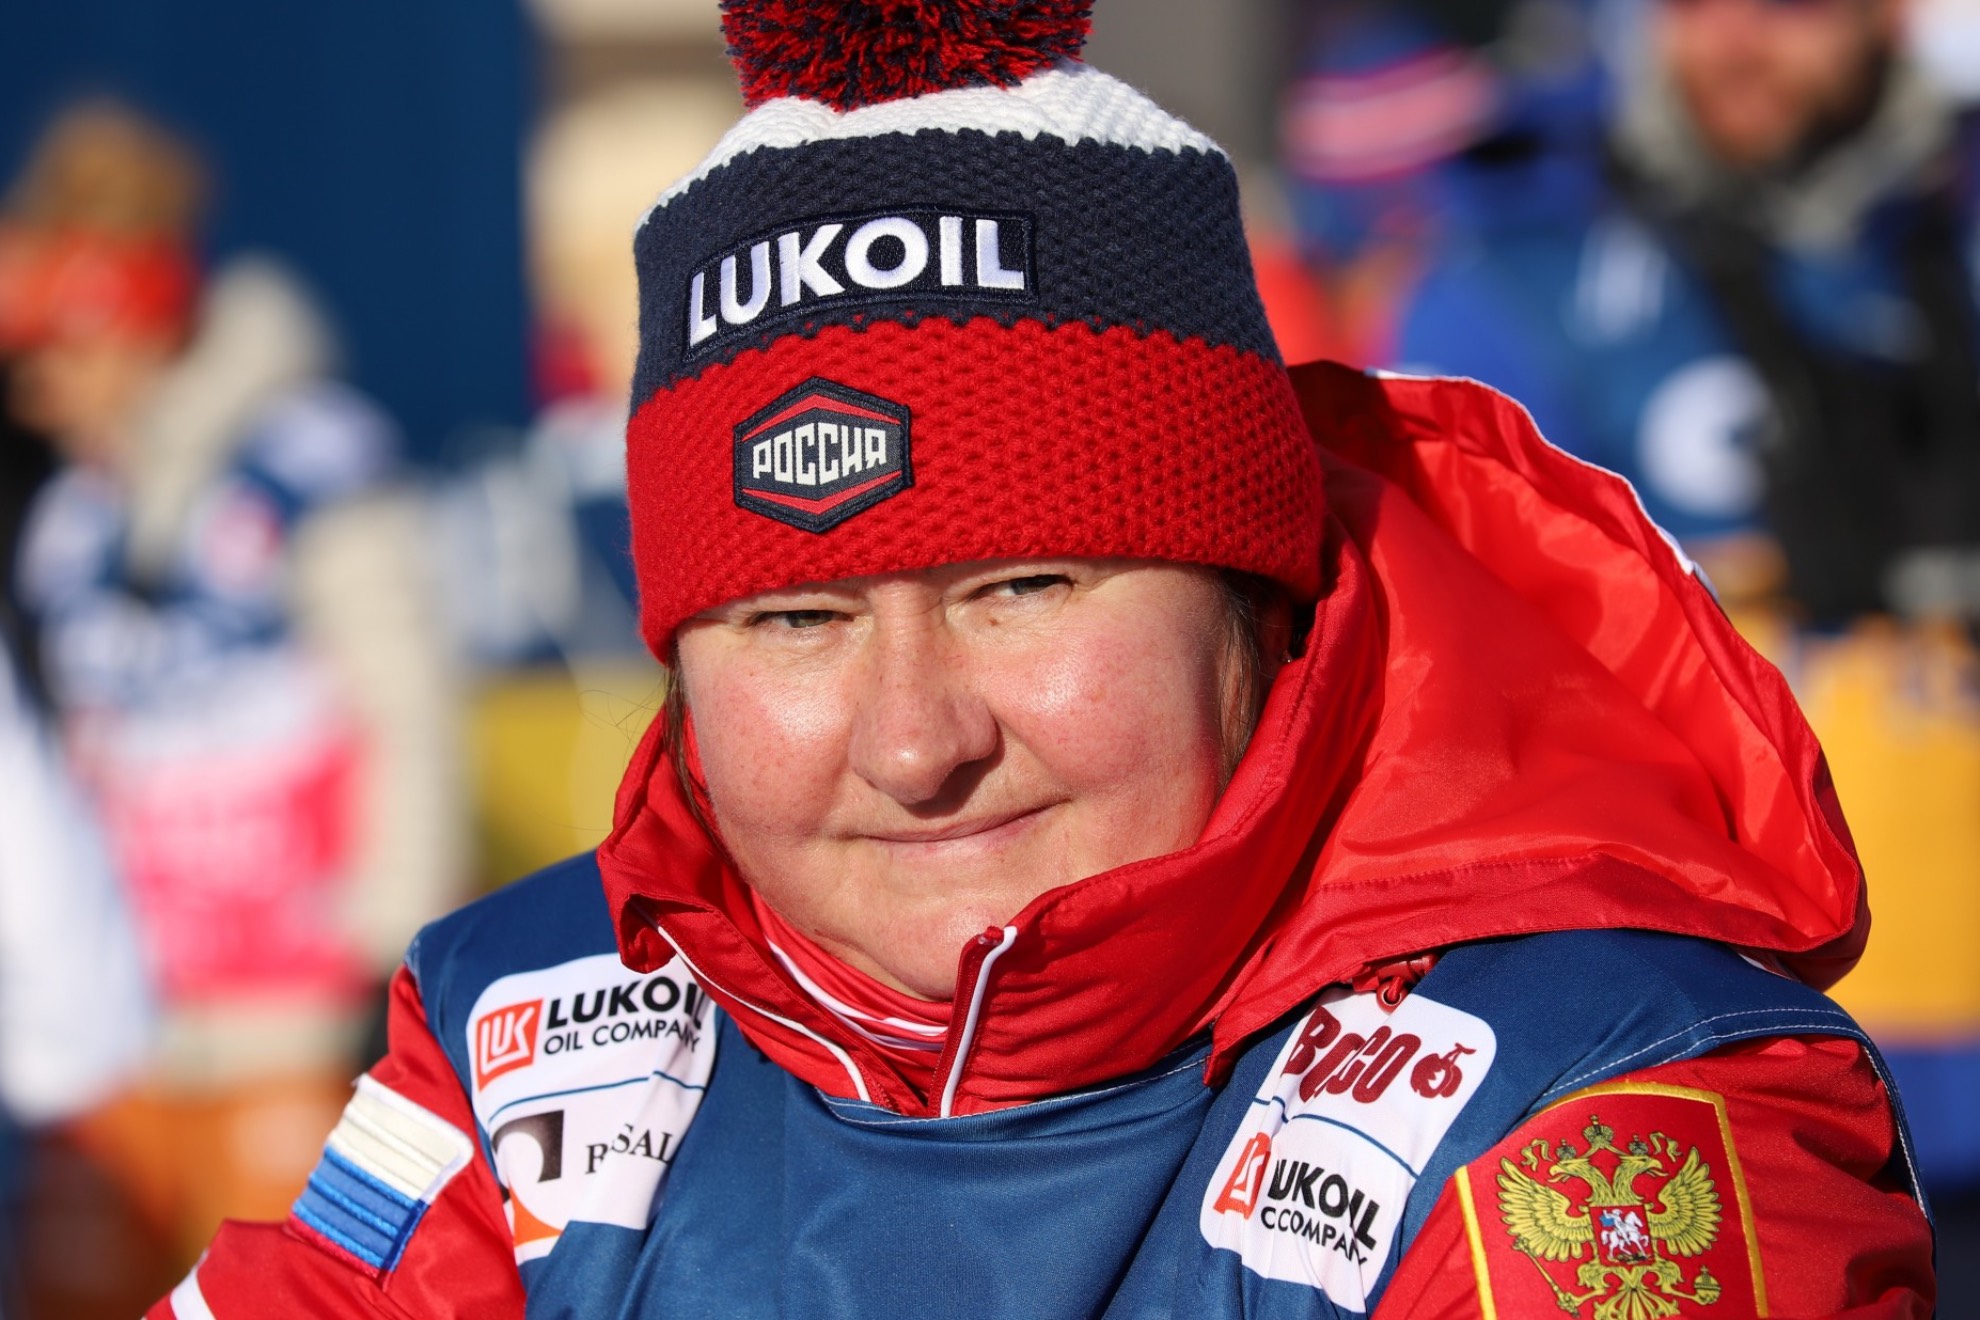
(910, 1031)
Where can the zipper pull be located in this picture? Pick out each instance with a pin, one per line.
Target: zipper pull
(1391, 982)
(978, 959)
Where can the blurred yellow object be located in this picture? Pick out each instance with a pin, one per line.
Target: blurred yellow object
(549, 747)
(1898, 712)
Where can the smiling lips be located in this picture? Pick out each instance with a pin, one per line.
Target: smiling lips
(983, 827)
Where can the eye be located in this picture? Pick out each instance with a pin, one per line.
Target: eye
(793, 618)
(1027, 586)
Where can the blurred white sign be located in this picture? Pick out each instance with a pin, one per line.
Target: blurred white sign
(1945, 36)
(586, 19)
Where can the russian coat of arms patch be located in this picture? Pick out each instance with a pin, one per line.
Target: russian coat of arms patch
(1619, 1203)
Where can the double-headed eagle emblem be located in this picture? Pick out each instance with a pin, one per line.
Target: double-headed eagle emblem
(1631, 1273)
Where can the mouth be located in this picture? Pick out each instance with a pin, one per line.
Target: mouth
(982, 829)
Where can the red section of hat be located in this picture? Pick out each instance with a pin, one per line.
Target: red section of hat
(1028, 441)
(849, 53)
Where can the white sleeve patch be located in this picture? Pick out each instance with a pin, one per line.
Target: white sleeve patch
(408, 1148)
(1312, 1186)
(386, 1161)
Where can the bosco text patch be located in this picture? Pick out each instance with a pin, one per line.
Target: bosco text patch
(820, 453)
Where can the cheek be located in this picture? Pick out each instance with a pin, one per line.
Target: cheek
(1122, 714)
(1823, 61)
(770, 745)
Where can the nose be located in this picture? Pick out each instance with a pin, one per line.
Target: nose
(919, 729)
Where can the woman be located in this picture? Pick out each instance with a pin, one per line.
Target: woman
(1104, 853)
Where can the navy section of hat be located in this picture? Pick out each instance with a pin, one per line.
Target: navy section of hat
(1107, 222)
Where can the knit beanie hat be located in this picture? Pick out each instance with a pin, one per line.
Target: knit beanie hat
(947, 294)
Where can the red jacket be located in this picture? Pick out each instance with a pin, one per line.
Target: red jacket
(1517, 712)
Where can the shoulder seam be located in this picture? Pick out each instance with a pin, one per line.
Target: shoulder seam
(1837, 1023)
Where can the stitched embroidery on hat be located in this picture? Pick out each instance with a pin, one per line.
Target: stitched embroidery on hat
(821, 453)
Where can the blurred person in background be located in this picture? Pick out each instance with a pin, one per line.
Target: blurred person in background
(537, 538)
(1383, 98)
(533, 533)
(1389, 108)
(1759, 303)
(1759, 306)
(236, 636)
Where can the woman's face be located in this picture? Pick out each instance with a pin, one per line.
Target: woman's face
(897, 763)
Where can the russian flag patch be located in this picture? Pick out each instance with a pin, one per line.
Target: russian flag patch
(386, 1161)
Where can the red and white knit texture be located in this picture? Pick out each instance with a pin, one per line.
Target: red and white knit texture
(1073, 103)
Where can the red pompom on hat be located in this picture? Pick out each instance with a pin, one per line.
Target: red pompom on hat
(849, 53)
(947, 294)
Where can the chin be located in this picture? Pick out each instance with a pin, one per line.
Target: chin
(1751, 134)
(927, 983)
(924, 971)
(925, 959)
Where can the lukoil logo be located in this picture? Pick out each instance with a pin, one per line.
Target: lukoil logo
(925, 255)
(505, 1040)
(820, 453)
(1336, 1215)
(1247, 1180)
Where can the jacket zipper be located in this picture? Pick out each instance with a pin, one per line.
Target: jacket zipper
(978, 959)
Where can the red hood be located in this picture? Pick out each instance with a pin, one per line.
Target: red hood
(1517, 712)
